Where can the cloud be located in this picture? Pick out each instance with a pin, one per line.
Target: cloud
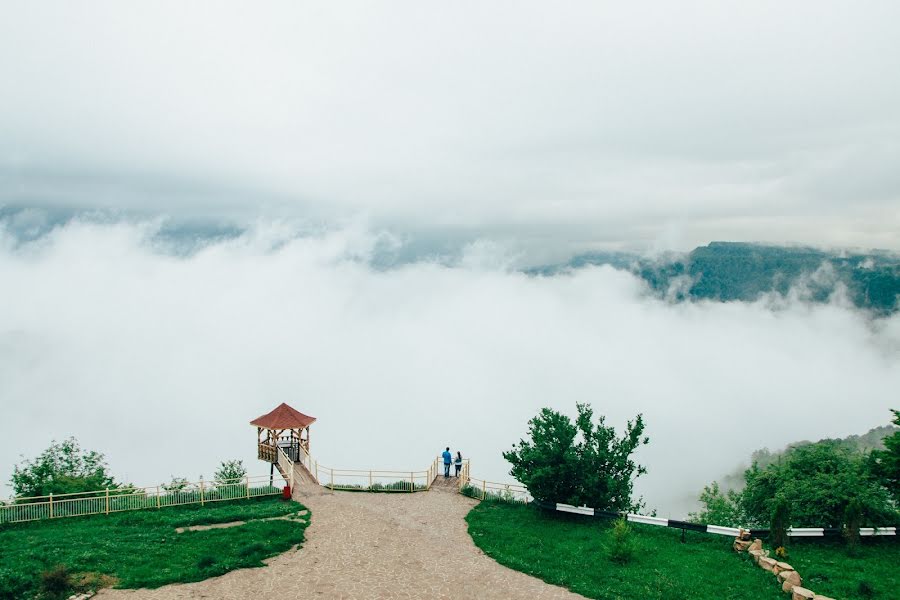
(160, 360)
(591, 123)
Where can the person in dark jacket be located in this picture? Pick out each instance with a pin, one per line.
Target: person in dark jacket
(458, 462)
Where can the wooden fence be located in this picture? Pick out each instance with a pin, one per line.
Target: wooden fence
(114, 500)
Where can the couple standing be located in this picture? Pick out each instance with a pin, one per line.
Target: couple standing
(448, 460)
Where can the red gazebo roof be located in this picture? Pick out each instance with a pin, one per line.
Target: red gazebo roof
(283, 417)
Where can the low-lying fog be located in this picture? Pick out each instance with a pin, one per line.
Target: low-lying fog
(160, 361)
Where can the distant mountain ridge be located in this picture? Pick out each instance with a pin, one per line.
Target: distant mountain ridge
(729, 271)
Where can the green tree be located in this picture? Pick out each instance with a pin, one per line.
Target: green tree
(63, 468)
(547, 464)
(719, 508)
(229, 471)
(580, 463)
(819, 480)
(606, 469)
(886, 463)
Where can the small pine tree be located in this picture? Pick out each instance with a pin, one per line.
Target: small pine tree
(622, 549)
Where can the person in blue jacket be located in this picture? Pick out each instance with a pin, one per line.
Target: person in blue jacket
(448, 458)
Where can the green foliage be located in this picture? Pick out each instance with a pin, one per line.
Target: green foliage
(719, 508)
(621, 548)
(579, 463)
(781, 522)
(56, 582)
(886, 463)
(819, 480)
(141, 549)
(63, 468)
(177, 485)
(230, 471)
(564, 550)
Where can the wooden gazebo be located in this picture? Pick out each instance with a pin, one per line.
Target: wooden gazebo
(286, 428)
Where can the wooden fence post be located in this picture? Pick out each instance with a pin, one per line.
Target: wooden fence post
(202, 502)
(483, 488)
(412, 482)
(51, 505)
(107, 500)
(247, 477)
(158, 498)
(370, 480)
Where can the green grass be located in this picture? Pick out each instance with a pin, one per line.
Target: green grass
(142, 549)
(574, 552)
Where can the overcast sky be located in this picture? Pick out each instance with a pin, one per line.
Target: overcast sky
(328, 132)
(572, 125)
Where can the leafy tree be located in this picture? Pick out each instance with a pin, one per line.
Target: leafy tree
(547, 464)
(819, 480)
(580, 463)
(229, 471)
(178, 484)
(886, 463)
(606, 469)
(63, 468)
(719, 508)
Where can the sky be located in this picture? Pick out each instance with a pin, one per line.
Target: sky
(289, 144)
(591, 124)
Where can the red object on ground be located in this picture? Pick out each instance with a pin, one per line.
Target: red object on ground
(286, 492)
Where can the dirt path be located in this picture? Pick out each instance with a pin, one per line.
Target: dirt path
(362, 545)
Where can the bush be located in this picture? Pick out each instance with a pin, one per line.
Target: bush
(63, 468)
(622, 547)
(719, 508)
(56, 582)
(820, 480)
(886, 463)
(205, 562)
(229, 471)
(579, 463)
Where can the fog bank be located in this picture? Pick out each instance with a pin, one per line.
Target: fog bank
(160, 360)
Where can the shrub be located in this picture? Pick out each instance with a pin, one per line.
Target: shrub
(580, 463)
(719, 508)
(886, 463)
(621, 549)
(205, 562)
(820, 479)
(229, 471)
(56, 582)
(63, 468)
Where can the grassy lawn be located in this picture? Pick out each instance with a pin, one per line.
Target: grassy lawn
(141, 548)
(573, 552)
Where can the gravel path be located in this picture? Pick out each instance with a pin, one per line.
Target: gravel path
(361, 545)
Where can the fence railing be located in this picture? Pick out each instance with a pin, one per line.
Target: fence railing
(372, 480)
(113, 500)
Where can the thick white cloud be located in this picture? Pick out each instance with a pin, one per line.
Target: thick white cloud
(161, 361)
(580, 123)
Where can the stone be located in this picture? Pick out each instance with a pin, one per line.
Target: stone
(755, 555)
(756, 545)
(741, 545)
(767, 563)
(800, 593)
(782, 566)
(744, 535)
(789, 580)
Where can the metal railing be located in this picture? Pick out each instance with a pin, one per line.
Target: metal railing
(373, 481)
(113, 500)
